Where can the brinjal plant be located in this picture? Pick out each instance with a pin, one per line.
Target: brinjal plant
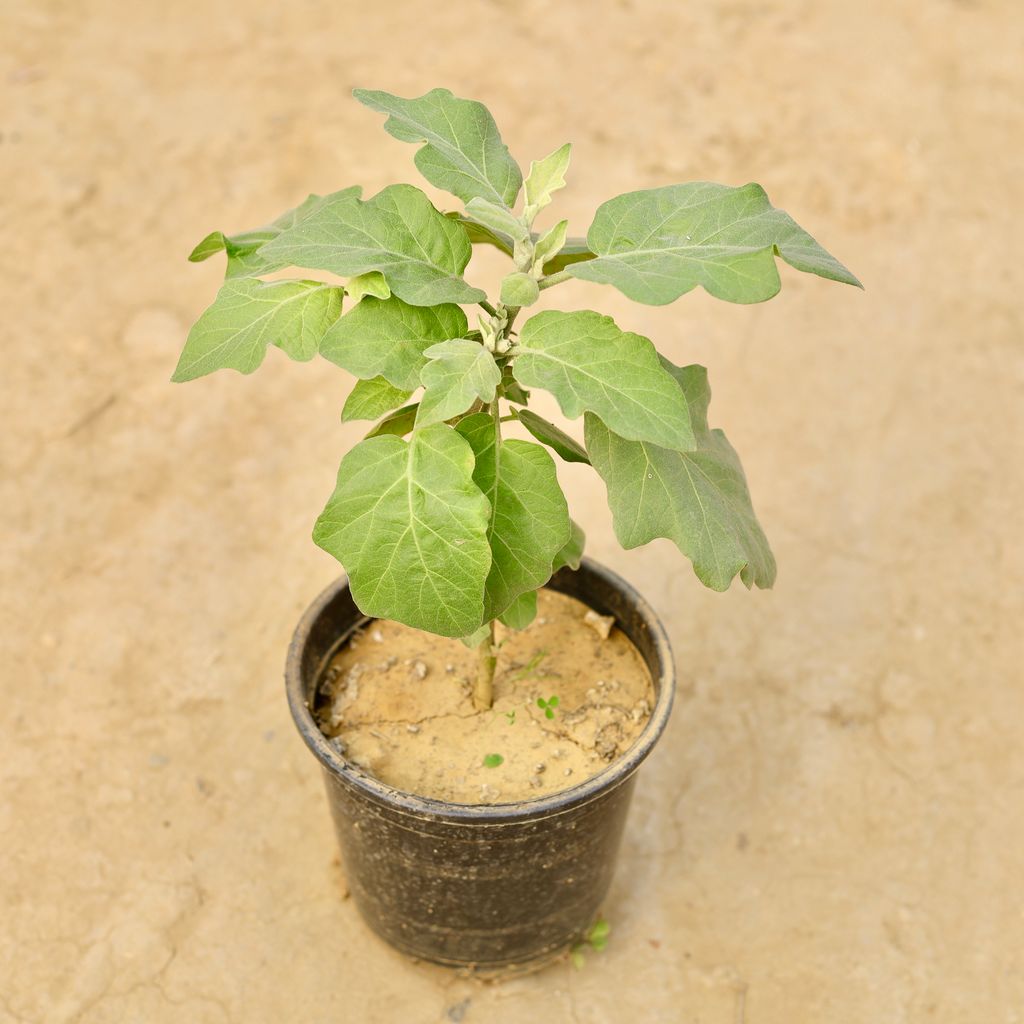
(440, 521)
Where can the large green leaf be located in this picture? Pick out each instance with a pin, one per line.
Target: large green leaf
(244, 258)
(419, 251)
(699, 499)
(588, 364)
(529, 516)
(657, 244)
(554, 437)
(248, 315)
(370, 399)
(387, 338)
(410, 527)
(458, 372)
(463, 154)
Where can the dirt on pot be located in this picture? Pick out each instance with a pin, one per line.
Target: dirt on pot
(398, 702)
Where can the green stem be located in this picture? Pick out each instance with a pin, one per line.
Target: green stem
(487, 652)
(552, 279)
(487, 659)
(488, 308)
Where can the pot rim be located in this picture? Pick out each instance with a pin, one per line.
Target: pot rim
(614, 774)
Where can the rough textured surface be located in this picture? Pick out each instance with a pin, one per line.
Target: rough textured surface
(831, 830)
(399, 703)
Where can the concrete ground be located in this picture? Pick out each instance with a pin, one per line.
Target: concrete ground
(832, 829)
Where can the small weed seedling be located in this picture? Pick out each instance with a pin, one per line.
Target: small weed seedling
(511, 716)
(596, 938)
(493, 760)
(441, 521)
(548, 706)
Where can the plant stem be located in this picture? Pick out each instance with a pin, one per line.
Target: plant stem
(553, 279)
(488, 308)
(487, 659)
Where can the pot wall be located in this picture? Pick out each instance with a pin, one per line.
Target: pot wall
(488, 886)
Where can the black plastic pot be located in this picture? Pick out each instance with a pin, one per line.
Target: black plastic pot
(484, 886)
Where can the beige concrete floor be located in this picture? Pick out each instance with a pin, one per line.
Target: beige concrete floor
(832, 829)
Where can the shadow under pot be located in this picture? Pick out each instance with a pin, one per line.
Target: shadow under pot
(484, 886)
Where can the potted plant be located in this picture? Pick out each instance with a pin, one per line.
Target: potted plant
(448, 528)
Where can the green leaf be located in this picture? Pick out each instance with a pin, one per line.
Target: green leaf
(244, 258)
(410, 526)
(573, 250)
(372, 283)
(372, 398)
(463, 154)
(698, 499)
(519, 289)
(547, 433)
(458, 372)
(419, 251)
(493, 760)
(387, 338)
(546, 176)
(657, 244)
(399, 423)
(498, 218)
(248, 315)
(521, 612)
(588, 364)
(549, 244)
(572, 553)
(511, 391)
(529, 516)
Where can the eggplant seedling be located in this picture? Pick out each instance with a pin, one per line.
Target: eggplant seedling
(458, 526)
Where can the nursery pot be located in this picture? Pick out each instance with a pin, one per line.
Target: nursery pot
(487, 886)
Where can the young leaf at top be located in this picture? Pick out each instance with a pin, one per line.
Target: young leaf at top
(698, 499)
(410, 527)
(371, 283)
(370, 399)
(458, 372)
(588, 364)
(548, 246)
(387, 338)
(570, 250)
(529, 522)
(554, 437)
(463, 154)
(546, 176)
(657, 244)
(244, 258)
(572, 553)
(248, 315)
(420, 252)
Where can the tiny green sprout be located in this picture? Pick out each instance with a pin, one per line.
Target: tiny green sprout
(493, 760)
(511, 716)
(596, 937)
(548, 706)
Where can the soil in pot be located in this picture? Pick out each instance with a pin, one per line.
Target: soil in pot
(398, 702)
